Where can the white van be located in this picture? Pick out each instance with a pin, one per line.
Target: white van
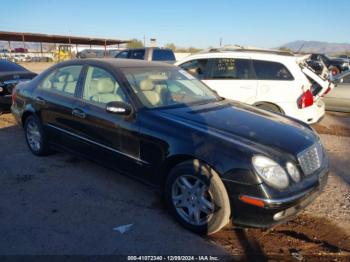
(272, 80)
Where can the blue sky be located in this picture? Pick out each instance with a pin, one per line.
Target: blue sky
(265, 23)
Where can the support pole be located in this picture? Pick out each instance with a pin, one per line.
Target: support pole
(105, 48)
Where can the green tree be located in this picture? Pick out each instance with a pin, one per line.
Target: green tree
(171, 46)
(134, 43)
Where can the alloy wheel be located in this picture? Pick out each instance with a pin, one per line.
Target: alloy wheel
(192, 200)
(33, 136)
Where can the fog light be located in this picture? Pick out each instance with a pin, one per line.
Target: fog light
(293, 172)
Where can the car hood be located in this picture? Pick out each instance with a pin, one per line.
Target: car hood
(245, 124)
(16, 75)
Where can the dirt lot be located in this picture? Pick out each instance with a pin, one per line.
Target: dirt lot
(61, 204)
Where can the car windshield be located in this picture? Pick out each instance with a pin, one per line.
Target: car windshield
(7, 66)
(163, 87)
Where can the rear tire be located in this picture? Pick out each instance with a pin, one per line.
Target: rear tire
(270, 107)
(197, 197)
(35, 136)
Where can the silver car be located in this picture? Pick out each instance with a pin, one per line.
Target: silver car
(339, 98)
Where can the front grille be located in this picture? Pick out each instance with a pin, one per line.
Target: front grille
(310, 159)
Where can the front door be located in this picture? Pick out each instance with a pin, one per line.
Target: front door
(106, 137)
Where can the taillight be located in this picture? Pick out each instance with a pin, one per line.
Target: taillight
(14, 96)
(307, 99)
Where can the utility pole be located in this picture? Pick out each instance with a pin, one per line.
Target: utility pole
(144, 40)
(220, 41)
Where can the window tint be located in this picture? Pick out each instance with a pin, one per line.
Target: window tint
(266, 70)
(63, 80)
(6, 66)
(123, 54)
(163, 55)
(229, 68)
(197, 68)
(100, 87)
(138, 54)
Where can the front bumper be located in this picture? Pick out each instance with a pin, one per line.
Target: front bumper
(275, 210)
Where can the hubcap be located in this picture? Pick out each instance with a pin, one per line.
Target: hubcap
(33, 136)
(192, 200)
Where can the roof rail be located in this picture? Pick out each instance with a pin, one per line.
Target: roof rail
(238, 48)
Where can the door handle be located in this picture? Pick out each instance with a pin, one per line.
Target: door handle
(78, 113)
(39, 100)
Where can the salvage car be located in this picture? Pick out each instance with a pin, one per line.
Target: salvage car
(213, 159)
(269, 79)
(339, 98)
(335, 65)
(10, 75)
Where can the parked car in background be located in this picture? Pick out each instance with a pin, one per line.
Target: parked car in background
(345, 57)
(271, 80)
(212, 158)
(335, 65)
(10, 75)
(149, 54)
(91, 53)
(339, 98)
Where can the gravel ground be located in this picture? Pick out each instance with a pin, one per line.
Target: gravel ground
(72, 187)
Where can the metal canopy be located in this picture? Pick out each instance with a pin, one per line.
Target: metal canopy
(59, 39)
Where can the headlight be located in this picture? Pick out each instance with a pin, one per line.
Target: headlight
(271, 172)
(293, 172)
(1, 89)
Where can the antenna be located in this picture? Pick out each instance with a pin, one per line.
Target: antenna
(301, 47)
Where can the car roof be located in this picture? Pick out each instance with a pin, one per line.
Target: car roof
(244, 55)
(119, 62)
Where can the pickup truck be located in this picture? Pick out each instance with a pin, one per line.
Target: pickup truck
(149, 54)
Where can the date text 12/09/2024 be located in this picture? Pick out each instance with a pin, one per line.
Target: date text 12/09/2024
(172, 258)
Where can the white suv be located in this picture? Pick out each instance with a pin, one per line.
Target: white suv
(272, 80)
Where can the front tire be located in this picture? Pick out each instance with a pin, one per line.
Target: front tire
(35, 136)
(197, 197)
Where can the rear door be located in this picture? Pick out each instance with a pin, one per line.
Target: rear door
(232, 78)
(275, 82)
(54, 99)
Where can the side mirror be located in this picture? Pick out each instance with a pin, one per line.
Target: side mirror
(119, 108)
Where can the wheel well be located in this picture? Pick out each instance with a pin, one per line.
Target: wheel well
(25, 116)
(170, 164)
(257, 104)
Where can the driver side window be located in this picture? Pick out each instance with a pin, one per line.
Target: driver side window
(100, 87)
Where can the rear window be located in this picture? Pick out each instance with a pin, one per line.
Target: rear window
(229, 68)
(266, 70)
(7, 66)
(163, 55)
